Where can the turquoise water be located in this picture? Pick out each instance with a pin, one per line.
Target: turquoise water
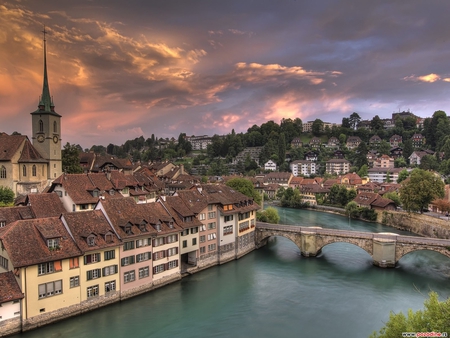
(275, 292)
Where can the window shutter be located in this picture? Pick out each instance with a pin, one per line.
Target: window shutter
(85, 260)
(176, 250)
(154, 256)
(154, 270)
(116, 268)
(167, 252)
(104, 272)
(154, 242)
(122, 262)
(176, 262)
(149, 255)
(98, 257)
(89, 275)
(166, 266)
(57, 265)
(71, 263)
(176, 238)
(131, 259)
(149, 241)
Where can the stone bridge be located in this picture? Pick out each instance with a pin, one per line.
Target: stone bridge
(386, 249)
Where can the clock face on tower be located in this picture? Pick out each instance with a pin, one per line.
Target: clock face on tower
(55, 139)
(40, 138)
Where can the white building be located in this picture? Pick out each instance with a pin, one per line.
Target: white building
(303, 167)
(379, 175)
(270, 165)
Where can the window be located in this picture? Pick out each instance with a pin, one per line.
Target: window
(50, 289)
(127, 261)
(2, 172)
(228, 230)
(211, 214)
(158, 269)
(4, 262)
(111, 254)
(92, 258)
(210, 207)
(202, 238)
(194, 241)
(143, 257)
(202, 249)
(171, 238)
(110, 286)
(211, 247)
(185, 244)
(74, 281)
(55, 129)
(211, 225)
(143, 242)
(172, 264)
(202, 216)
(110, 270)
(144, 272)
(211, 237)
(33, 170)
(74, 263)
(203, 228)
(93, 274)
(91, 238)
(41, 126)
(49, 267)
(158, 241)
(159, 255)
(228, 218)
(194, 230)
(128, 246)
(53, 243)
(92, 291)
(24, 170)
(129, 276)
(172, 252)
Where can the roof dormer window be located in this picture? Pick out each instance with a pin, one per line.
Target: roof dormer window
(143, 228)
(127, 230)
(53, 243)
(109, 237)
(90, 240)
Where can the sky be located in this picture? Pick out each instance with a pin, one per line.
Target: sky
(124, 69)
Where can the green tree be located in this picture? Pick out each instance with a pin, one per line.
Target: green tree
(421, 188)
(281, 149)
(429, 162)
(400, 162)
(434, 318)
(394, 197)
(269, 215)
(6, 196)
(402, 175)
(354, 119)
(317, 127)
(376, 123)
(384, 148)
(407, 149)
(245, 187)
(71, 159)
(364, 171)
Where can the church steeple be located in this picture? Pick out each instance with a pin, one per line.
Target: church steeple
(46, 102)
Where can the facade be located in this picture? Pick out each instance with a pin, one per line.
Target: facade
(270, 165)
(353, 142)
(337, 166)
(395, 140)
(303, 167)
(380, 175)
(384, 162)
(418, 140)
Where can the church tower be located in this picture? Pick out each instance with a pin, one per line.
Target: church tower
(46, 127)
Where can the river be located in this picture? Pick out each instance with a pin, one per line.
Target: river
(274, 292)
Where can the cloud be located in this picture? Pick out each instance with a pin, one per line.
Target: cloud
(430, 78)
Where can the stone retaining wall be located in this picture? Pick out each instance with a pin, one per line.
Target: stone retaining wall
(10, 326)
(420, 224)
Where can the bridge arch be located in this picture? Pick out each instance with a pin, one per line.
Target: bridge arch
(323, 241)
(402, 251)
(262, 237)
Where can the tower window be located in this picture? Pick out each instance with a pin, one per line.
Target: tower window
(33, 170)
(2, 172)
(55, 129)
(24, 170)
(41, 126)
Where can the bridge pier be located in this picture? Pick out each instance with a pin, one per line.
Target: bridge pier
(308, 247)
(384, 252)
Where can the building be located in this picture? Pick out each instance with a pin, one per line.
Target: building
(381, 175)
(353, 142)
(303, 167)
(337, 166)
(384, 161)
(395, 140)
(418, 140)
(270, 165)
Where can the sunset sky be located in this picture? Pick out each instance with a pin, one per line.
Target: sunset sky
(122, 69)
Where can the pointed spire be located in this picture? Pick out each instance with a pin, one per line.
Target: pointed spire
(46, 102)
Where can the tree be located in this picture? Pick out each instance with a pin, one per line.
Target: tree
(384, 148)
(421, 188)
(269, 215)
(281, 149)
(71, 159)
(245, 187)
(364, 171)
(443, 205)
(376, 123)
(407, 149)
(429, 162)
(400, 162)
(393, 196)
(354, 119)
(402, 175)
(317, 127)
(434, 318)
(6, 196)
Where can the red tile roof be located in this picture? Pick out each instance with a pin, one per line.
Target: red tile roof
(9, 288)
